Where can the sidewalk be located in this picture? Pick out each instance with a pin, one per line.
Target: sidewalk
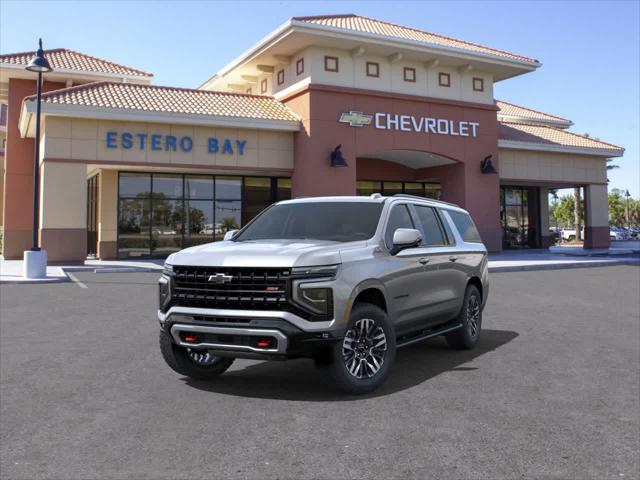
(11, 270)
(544, 259)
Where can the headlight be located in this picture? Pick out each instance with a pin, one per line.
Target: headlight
(164, 292)
(317, 271)
(167, 270)
(318, 300)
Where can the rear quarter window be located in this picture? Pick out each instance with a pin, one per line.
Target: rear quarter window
(465, 226)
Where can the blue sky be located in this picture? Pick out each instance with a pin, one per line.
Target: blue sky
(589, 50)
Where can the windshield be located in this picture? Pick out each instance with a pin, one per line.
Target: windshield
(333, 221)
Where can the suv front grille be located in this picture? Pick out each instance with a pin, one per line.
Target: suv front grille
(231, 287)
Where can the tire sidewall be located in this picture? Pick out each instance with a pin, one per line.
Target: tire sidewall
(176, 357)
(470, 341)
(338, 369)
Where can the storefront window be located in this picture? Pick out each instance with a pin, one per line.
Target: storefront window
(519, 219)
(162, 213)
(391, 188)
(367, 188)
(419, 189)
(283, 191)
(257, 196)
(133, 226)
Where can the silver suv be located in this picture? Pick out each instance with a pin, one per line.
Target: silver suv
(343, 280)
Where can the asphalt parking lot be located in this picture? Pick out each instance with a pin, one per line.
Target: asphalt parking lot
(551, 392)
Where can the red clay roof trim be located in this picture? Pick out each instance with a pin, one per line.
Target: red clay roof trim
(311, 19)
(90, 63)
(153, 98)
(555, 117)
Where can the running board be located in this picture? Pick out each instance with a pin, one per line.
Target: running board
(427, 335)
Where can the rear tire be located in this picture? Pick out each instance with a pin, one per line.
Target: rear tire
(470, 316)
(362, 361)
(180, 360)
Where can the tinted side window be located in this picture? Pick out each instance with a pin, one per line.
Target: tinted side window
(465, 226)
(433, 235)
(447, 229)
(399, 218)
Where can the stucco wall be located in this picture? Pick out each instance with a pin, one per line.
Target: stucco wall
(551, 167)
(352, 73)
(85, 140)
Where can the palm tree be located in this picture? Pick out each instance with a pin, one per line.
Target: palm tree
(611, 167)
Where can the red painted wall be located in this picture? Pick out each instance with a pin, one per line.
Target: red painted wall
(462, 183)
(18, 177)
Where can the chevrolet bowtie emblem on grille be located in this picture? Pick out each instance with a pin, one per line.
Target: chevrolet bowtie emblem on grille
(355, 119)
(220, 278)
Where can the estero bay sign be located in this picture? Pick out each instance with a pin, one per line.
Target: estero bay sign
(171, 143)
(411, 123)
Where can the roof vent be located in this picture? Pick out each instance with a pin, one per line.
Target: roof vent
(376, 195)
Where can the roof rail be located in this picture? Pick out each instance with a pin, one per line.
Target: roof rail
(406, 195)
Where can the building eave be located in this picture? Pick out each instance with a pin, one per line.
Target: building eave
(541, 147)
(296, 26)
(64, 72)
(129, 115)
(532, 121)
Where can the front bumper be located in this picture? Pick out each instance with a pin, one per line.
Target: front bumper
(235, 332)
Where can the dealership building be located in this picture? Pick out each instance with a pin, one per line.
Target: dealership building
(331, 105)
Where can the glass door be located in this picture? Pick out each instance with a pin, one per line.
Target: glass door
(92, 216)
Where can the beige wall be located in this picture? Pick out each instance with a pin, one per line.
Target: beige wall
(352, 73)
(108, 206)
(80, 139)
(63, 195)
(597, 211)
(552, 167)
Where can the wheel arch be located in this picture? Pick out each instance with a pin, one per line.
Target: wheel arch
(372, 295)
(476, 282)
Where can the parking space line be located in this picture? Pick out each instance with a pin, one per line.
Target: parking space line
(75, 280)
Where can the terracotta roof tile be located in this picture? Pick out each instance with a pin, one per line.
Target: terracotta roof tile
(65, 59)
(379, 27)
(517, 132)
(513, 110)
(152, 98)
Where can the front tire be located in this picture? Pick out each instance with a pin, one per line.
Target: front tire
(197, 364)
(362, 361)
(470, 316)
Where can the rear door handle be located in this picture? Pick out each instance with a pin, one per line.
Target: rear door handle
(453, 258)
(424, 261)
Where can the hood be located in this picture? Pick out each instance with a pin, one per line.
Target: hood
(263, 253)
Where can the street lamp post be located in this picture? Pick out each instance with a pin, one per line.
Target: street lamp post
(626, 207)
(35, 260)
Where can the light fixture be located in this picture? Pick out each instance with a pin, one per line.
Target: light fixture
(486, 166)
(337, 160)
(39, 62)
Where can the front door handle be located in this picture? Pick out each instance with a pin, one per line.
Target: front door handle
(424, 261)
(453, 258)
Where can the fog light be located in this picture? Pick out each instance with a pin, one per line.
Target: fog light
(264, 342)
(191, 338)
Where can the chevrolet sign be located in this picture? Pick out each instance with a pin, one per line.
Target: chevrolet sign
(355, 119)
(410, 123)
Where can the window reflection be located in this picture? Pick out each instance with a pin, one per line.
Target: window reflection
(162, 213)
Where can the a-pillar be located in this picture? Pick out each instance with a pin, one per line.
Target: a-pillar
(107, 214)
(546, 240)
(596, 216)
(63, 211)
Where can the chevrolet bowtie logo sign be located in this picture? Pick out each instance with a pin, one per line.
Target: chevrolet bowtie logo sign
(355, 119)
(220, 278)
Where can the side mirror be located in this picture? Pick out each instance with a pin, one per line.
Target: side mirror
(229, 235)
(405, 238)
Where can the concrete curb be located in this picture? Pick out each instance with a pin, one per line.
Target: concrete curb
(562, 266)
